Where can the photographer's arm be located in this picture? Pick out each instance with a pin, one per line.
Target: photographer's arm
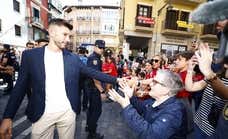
(205, 60)
(220, 89)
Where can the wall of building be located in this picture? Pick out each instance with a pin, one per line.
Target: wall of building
(95, 22)
(37, 27)
(9, 18)
(171, 39)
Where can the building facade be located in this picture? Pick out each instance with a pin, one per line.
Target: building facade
(153, 26)
(55, 8)
(37, 15)
(13, 23)
(94, 21)
(137, 26)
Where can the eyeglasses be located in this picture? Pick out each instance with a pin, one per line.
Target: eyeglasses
(154, 60)
(157, 82)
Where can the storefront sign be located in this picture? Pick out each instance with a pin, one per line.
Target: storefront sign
(176, 40)
(146, 20)
(172, 49)
(184, 24)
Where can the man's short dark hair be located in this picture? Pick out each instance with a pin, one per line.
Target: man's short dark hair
(42, 40)
(29, 43)
(185, 54)
(60, 22)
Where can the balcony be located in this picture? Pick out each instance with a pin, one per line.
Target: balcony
(37, 22)
(173, 29)
(144, 23)
(209, 32)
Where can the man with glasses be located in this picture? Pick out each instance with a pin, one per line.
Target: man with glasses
(163, 117)
(95, 90)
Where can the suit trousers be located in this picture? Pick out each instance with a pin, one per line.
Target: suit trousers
(64, 121)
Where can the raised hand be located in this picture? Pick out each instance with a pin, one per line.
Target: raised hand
(192, 63)
(123, 101)
(204, 57)
(126, 89)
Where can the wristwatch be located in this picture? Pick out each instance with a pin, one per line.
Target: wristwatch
(212, 77)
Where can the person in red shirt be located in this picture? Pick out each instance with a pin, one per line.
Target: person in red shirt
(110, 68)
(148, 69)
(181, 65)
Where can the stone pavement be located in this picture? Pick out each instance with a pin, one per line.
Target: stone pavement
(110, 123)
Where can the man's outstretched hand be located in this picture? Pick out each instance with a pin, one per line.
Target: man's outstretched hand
(6, 129)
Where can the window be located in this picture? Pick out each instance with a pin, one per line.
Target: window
(16, 6)
(183, 17)
(172, 16)
(210, 29)
(17, 30)
(36, 15)
(143, 17)
(171, 19)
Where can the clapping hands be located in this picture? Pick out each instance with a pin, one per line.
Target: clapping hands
(128, 93)
(204, 58)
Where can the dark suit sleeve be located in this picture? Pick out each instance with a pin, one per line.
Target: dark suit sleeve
(92, 73)
(19, 90)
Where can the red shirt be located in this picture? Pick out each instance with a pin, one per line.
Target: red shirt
(151, 74)
(183, 93)
(110, 66)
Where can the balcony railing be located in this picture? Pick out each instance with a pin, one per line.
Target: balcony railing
(37, 22)
(209, 32)
(173, 29)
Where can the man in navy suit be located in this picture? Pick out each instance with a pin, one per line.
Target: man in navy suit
(51, 74)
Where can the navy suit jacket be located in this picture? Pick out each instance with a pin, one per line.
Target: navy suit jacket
(32, 77)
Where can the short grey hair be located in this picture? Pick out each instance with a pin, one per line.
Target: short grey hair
(171, 80)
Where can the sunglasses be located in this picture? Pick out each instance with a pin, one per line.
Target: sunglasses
(154, 60)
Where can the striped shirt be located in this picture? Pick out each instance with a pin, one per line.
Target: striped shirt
(201, 116)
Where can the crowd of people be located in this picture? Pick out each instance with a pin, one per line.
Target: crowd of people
(162, 98)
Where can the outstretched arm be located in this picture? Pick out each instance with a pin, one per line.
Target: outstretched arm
(205, 60)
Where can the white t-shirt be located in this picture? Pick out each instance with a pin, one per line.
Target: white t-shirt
(56, 99)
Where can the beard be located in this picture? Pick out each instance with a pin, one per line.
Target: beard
(60, 45)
